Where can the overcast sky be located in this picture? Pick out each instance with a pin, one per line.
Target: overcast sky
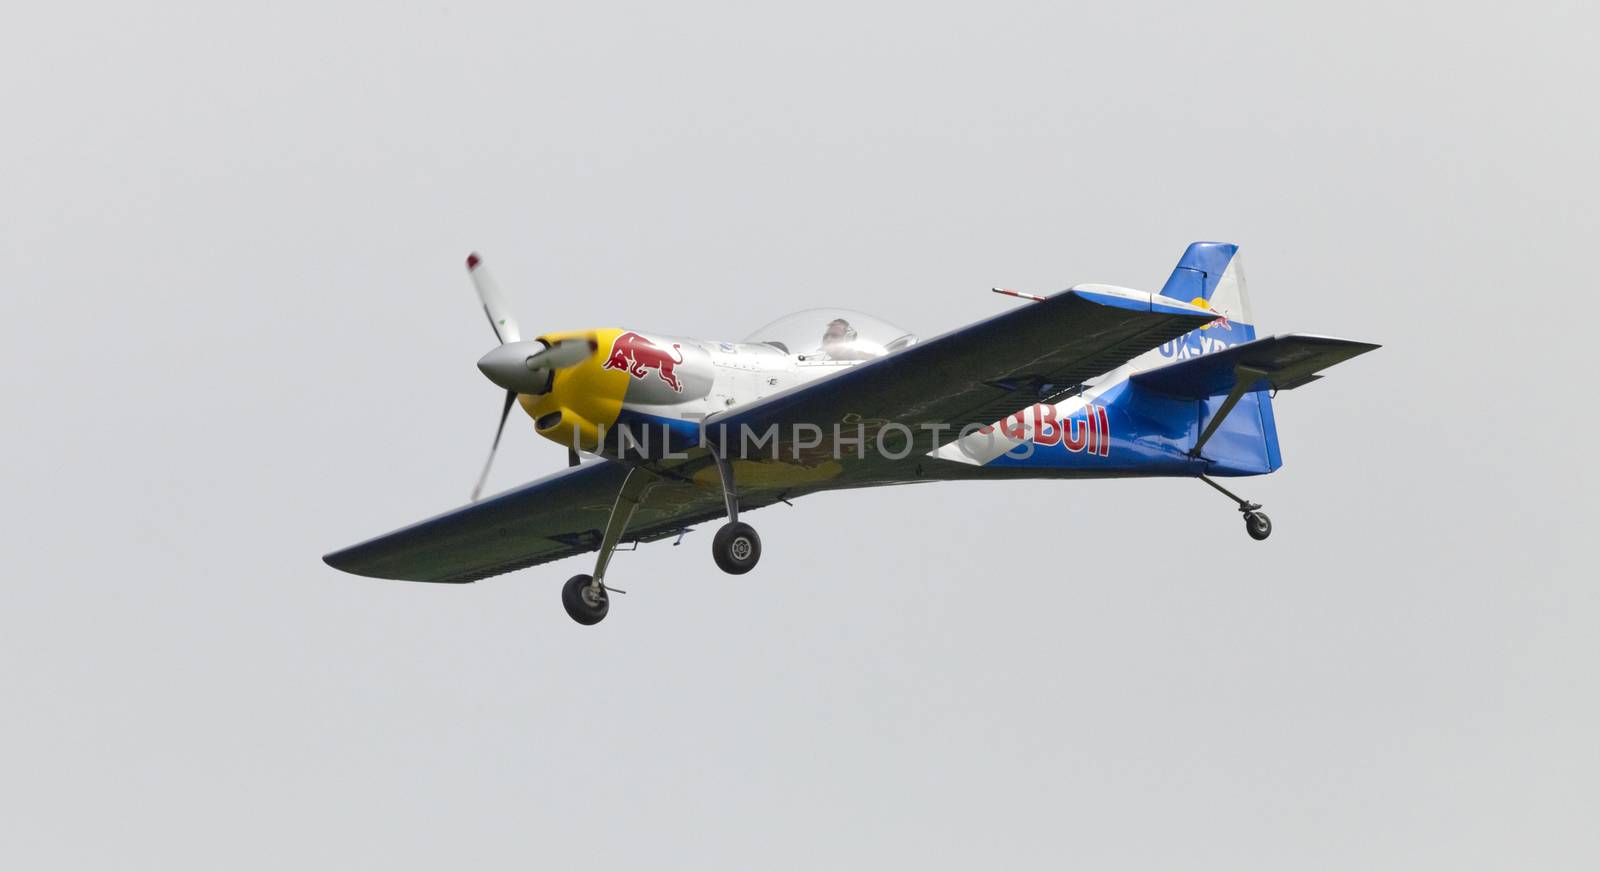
(236, 334)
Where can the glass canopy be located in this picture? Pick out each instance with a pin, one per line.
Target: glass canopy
(833, 334)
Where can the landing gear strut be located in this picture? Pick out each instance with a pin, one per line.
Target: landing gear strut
(586, 597)
(736, 547)
(1256, 522)
(1258, 525)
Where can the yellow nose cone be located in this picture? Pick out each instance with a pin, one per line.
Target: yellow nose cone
(583, 398)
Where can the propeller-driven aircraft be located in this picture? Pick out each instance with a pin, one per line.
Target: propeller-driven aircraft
(1097, 381)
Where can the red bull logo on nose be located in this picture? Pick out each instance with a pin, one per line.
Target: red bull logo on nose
(637, 356)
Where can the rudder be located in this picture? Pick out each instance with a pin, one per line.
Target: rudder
(1211, 275)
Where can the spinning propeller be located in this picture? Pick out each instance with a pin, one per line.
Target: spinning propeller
(521, 366)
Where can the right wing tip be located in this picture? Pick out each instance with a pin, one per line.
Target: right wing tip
(336, 560)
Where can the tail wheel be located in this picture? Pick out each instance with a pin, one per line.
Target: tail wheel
(585, 602)
(1258, 525)
(736, 548)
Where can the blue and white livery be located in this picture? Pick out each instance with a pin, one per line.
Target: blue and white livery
(1097, 381)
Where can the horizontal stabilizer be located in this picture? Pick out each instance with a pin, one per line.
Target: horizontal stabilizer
(1276, 363)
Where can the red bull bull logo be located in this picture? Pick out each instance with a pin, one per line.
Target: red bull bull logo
(1222, 317)
(637, 356)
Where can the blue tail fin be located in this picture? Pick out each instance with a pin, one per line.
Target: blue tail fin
(1211, 275)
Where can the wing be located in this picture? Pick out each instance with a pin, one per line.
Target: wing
(557, 516)
(981, 373)
(978, 374)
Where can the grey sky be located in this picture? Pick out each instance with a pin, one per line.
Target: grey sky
(236, 333)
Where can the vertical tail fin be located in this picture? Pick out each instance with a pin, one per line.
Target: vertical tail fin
(1211, 275)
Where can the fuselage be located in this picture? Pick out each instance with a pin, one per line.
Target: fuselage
(646, 382)
(642, 395)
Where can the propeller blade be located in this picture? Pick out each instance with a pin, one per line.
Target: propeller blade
(567, 352)
(505, 411)
(501, 320)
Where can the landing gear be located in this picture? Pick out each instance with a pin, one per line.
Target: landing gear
(1256, 523)
(586, 597)
(736, 548)
(586, 602)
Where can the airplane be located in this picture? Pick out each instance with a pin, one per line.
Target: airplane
(1097, 381)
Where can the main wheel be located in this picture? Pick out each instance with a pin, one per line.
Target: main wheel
(584, 602)
(736, 548)
(1258, 525)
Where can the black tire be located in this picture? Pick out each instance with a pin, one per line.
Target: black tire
(736, 548)
(1258, 525)
(585, 605)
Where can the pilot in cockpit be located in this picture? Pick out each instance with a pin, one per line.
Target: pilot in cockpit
(838, 335)
(839, 342)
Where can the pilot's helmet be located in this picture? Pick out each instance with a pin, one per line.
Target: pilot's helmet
(839, 332)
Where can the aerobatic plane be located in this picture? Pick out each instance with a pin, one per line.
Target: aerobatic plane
(1097, 381)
